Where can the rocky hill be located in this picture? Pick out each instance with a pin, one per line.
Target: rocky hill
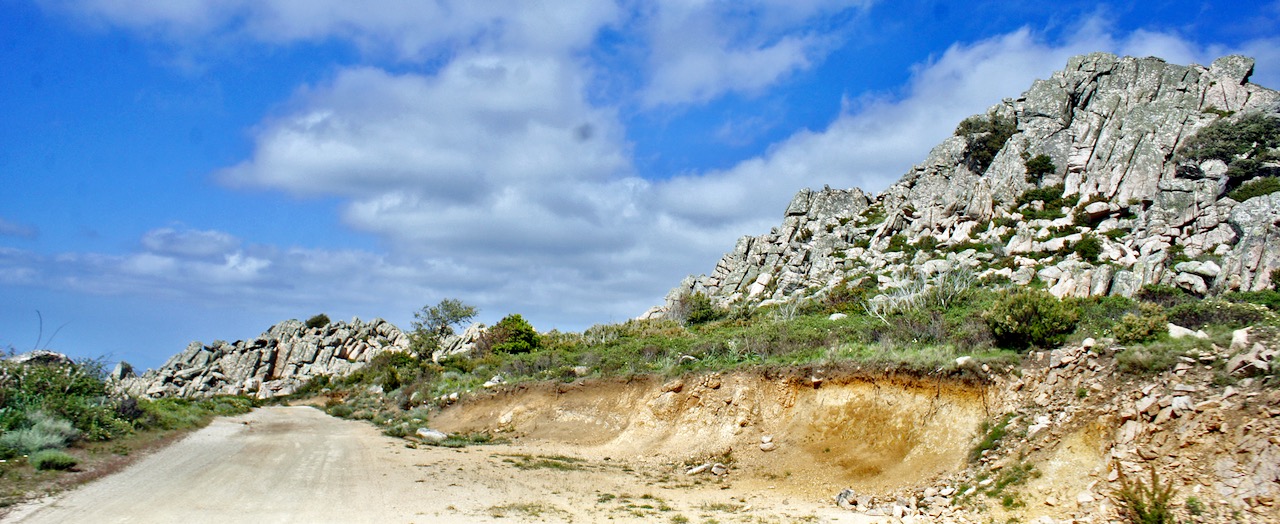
(275, 363)
(1084, 183)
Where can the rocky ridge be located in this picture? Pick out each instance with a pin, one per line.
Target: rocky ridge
(1112, 128)
(275, 363)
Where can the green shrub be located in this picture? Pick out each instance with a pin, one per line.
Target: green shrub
(1269, 298)
(1144, 503)
(897, 242)
(45, 432)
(1194, 506)
(1146, 326)
(1039, 166)
(1165, 296)
(340, 410)
(1089, 248)
(1031, 318)
(512, 335)
(73, 392)
(1048, 194)
(927, 243)
(1154, 358)
(1254, 188)
(318, 321)
(698, 309)
(986, 134)
(52, 459)
(1201, 313)
(1243, 144)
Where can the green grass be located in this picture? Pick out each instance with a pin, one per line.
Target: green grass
(991, 432)
(52, 459)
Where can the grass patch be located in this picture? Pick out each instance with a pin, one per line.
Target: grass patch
(526, 509)
(991, 432)
(52, 459)
(557, 462)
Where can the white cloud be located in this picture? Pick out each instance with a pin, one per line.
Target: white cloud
(405, 29)
(480, 124)
(701, 50)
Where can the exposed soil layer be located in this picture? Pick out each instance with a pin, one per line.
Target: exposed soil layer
(831, 433)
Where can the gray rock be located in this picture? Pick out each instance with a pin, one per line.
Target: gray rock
(275, 363)
(41, 356)
(432, 436)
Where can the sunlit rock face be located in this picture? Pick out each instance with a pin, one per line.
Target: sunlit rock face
(1111, 127)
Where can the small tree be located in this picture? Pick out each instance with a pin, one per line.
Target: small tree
(1039, 166)
(432, 324)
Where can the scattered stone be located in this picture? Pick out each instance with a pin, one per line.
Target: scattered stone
(431, 436)
(1176, 331)
(703, 468)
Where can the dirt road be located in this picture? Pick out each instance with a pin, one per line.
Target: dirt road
(296, 464)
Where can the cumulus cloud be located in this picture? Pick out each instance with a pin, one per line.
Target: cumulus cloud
(701, 50)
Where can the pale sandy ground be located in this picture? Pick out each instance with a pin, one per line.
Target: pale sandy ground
(296, 464)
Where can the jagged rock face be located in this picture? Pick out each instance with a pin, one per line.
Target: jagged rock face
(1112, 127)
(275, 363)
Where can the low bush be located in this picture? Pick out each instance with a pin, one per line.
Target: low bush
(1089, 247)
(1255, 188)
(1149, 359)
(1031, 318)
(318, 321)
(1149, 324)
(1243, 144)
(52, 459)
(1165, 296)
(1269, 298)
(1203, 313)
(698, 309)
(1099, 315)
(45, 432)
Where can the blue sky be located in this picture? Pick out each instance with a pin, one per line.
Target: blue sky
(201, 169)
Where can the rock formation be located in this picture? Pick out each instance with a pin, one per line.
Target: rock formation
(275, 363)
(1111, 127)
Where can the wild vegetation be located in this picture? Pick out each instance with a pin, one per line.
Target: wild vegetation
(58, 416)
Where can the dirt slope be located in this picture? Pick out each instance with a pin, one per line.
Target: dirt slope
(829, 434)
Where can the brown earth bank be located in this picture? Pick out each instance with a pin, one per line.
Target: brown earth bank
(802, 434)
